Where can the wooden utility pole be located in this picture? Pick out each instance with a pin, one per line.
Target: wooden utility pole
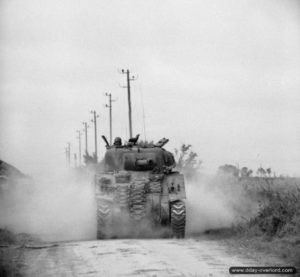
(75, 160)
(68, 153)
(110, 116)
(129, 97)
(86, 138)
(94, 120)
(79, 144)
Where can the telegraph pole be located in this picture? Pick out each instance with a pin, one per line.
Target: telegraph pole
(110, 116)
(129, 103)
(129, 97)
(68, 153)
(75, 160)
(94, 120)
(86, 139)
(79, 144)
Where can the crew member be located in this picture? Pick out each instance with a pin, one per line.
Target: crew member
(118, 142)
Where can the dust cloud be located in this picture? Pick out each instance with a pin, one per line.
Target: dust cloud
(61, 207)
(217, 202)
(125, 226)
(55, 207)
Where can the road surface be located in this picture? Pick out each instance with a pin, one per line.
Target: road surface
(163, 257)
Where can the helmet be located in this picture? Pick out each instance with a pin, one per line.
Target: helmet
(118, 141)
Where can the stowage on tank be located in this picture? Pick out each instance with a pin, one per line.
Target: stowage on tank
(139, 184)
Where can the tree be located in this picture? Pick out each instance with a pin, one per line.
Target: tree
(245, 172)
(89, 159)
(186, 160)
(229, 169)
(250, 173)
(261, 172)
(269, 171)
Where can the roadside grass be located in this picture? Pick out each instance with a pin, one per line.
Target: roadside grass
(10, 253)
(276, 226)
(12, 247)
(268, 215)
(7, 237)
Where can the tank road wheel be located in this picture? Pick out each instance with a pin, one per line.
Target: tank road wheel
(178, 219)
(104, 219)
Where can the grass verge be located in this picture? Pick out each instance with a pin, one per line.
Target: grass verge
(275, 229)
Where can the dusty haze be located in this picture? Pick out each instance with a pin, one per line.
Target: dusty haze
(61, 207)
(214, 202)
(57, 206)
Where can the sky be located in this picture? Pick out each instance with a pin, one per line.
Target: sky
(223, 76)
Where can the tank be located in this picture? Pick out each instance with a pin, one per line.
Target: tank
(139, 185)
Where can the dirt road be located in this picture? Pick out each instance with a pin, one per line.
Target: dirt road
(189, 257)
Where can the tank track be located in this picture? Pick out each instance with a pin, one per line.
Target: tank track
(104, 219)
(178, 214)
(137, 201)
(155, 187)
(123, 196)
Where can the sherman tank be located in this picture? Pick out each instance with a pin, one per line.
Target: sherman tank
(139, 184)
